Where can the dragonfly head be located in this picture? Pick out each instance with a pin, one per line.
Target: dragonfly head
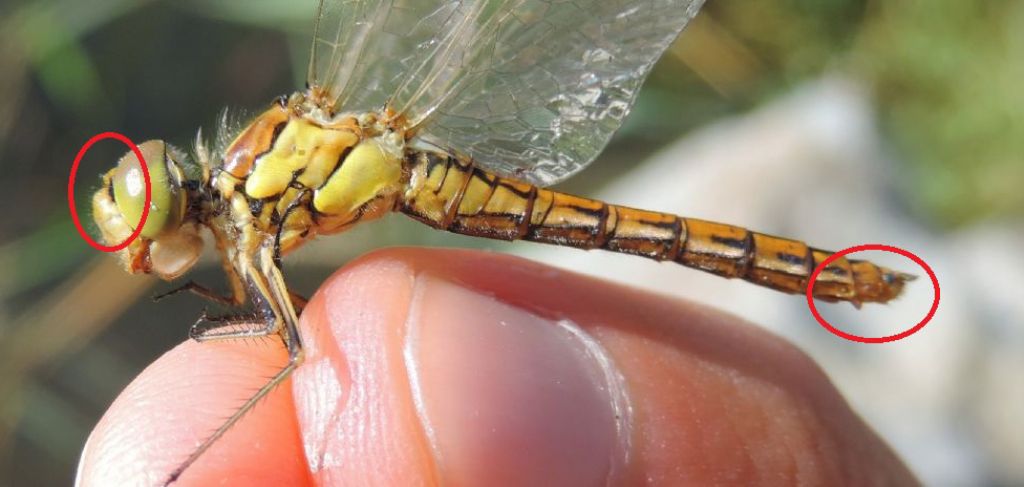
(169, 243)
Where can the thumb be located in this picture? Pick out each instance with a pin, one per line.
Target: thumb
(411, 377)
(464, 368)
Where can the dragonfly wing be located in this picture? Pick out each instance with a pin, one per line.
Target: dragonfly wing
(547, 90)
(369, 53)
(531, 89)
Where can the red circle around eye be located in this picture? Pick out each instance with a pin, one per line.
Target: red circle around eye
(71, 191)
(860, 248)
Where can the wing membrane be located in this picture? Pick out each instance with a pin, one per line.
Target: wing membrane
(365, 51)
(529, 88)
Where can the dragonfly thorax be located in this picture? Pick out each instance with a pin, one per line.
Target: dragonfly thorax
(296, 173)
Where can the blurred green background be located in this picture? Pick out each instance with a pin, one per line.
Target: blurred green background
(74, 329)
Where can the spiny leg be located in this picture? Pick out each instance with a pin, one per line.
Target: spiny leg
(219, 325)
(294, 358)
(298, 301)
(226, 327)
(235, 298)
(272, 296)
(199, 290)
(278, 294)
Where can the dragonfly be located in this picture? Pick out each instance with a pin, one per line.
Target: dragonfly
(457, 113)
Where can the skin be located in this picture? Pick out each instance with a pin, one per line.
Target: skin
(445, 366)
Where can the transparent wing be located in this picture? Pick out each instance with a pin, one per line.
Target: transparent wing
(365, 51)
(529, 88)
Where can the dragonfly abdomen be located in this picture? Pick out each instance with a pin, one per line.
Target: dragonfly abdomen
(450, 193)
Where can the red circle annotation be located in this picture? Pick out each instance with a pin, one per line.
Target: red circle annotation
(71, 191)
(861, 248)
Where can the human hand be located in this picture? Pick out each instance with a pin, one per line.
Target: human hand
(465, 368)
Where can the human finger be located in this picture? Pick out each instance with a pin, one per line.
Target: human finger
(467, 368)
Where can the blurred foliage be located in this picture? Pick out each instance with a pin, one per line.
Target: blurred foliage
(942, 71)
(947, 76)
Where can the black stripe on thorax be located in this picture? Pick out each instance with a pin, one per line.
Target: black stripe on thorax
(341, 160)
(273, 141)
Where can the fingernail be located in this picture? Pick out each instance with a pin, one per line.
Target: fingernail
(507, 397)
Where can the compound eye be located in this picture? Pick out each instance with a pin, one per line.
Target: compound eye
(168, 199)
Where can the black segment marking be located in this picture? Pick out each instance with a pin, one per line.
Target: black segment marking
(453, 204)
(790, 258)
(524, 225)
(547, 212)
(593, 230)
(669, 247)
(533, 233)
(836, 271)
(682, 234)
(809, 262)
(492, 184)
(508, 185)
(486, 177)
(447, 169)
(433, 160)
(735, 243)
(747, 259)
(670, 225)
(612, 234)
(593, 213)
(599, 235)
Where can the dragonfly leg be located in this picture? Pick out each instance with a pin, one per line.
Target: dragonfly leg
(199, 290)
(294, 358)
(239, 325)
(226, 327)
(279, 298)
(272, 298)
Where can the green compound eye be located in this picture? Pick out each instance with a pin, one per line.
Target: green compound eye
(168, 199)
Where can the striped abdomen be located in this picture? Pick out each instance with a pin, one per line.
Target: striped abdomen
(451, 194)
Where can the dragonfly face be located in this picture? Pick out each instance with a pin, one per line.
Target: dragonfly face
(169, 243)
